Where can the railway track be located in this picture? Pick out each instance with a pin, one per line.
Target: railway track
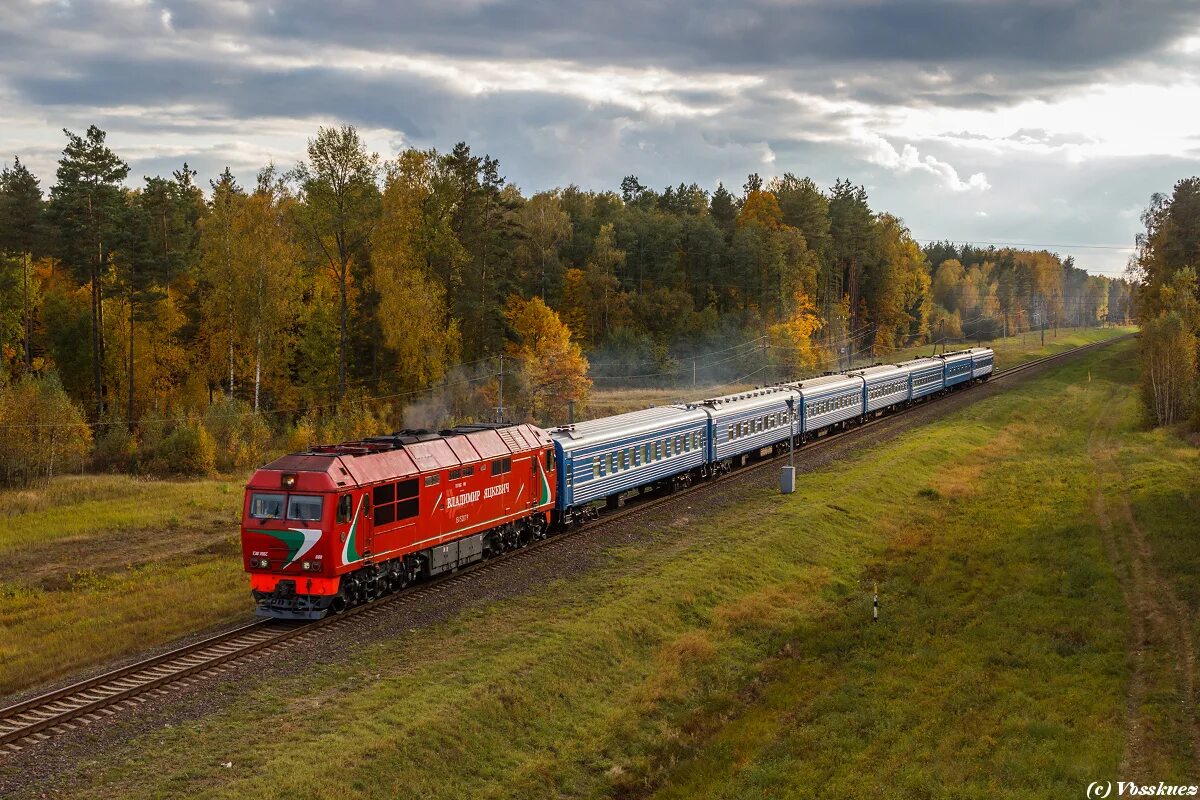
(44, 716)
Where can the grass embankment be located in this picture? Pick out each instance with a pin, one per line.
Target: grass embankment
(96, 567)
(733, 655)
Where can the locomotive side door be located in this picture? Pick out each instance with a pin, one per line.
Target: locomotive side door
(355, 537)
(534, 481)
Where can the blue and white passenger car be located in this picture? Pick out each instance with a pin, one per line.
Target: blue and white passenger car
(959, 367)
(926, 376)
(885, 385)
(747, 422)
(983, 361)
(601, 458)
(829, 400)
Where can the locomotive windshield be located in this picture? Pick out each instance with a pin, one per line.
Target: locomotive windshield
(266, 506)
(305, 507)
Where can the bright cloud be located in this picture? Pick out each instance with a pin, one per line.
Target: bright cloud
(909, 159)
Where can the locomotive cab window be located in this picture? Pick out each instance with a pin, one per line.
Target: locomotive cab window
(266, 506)
(549, 461)
(407, 499)
(345, 508)
(305, 507)
(383, 494)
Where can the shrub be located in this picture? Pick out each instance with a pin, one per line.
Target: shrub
(116, 449)
(187, 450)
(301, 434)
(355, 420)
(42, 432)
(240, 436)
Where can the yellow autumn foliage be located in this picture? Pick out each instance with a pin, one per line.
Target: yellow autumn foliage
(553, 368)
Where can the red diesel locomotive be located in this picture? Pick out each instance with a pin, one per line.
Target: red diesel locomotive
(343, 524)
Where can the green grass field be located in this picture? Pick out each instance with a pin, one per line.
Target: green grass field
(734, 655)
(99, 566)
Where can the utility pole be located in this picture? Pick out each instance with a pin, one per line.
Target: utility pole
(787, 476)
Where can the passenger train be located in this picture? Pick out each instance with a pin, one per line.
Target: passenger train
(342, 524)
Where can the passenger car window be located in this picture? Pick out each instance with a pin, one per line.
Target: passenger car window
(305, 507)
(266, 506)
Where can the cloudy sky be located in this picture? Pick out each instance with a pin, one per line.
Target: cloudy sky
(1047, 122)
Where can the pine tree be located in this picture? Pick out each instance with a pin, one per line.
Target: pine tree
(87, 210)
(21, 228)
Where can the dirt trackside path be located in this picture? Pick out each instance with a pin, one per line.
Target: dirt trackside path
(1160, 714)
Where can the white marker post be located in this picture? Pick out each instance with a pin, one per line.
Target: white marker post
(787, 478)
(875, 607)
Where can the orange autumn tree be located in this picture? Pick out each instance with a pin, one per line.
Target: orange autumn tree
(553, 368)
(792, 339)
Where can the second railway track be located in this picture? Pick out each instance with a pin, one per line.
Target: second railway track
(58, 711)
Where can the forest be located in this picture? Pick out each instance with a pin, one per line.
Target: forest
(1167, 303)
(164, 326)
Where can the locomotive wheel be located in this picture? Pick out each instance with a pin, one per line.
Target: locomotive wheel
(339, 604)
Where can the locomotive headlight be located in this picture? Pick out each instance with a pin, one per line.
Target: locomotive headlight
(306, 565)
(259, 563)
